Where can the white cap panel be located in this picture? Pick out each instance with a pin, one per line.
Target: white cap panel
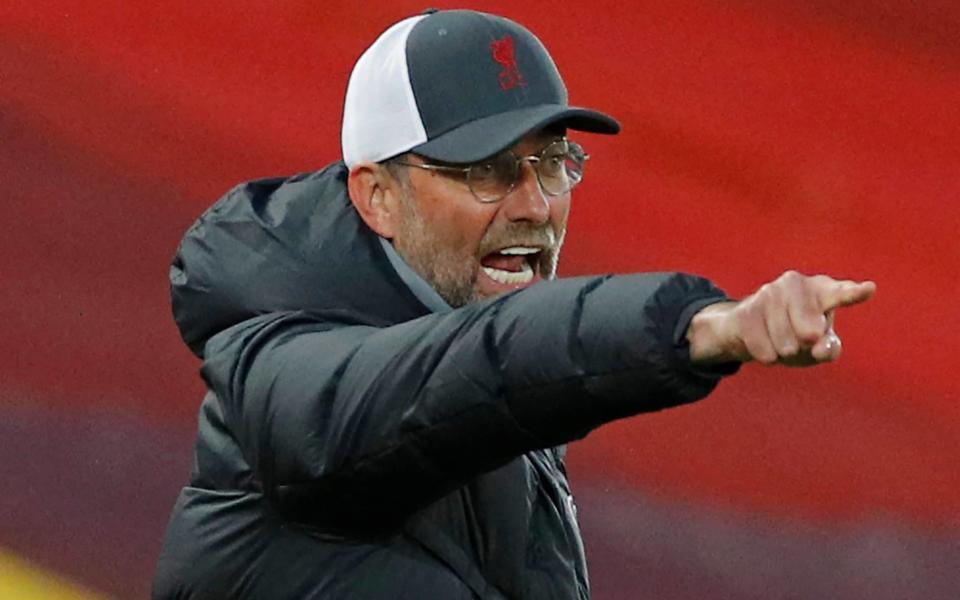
(380, 115)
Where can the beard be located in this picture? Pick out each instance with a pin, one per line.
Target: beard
(453, 272)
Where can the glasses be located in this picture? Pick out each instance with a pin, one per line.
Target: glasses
(559, 168)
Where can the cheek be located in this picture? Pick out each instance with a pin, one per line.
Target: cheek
(458, 220)
(467, 229)
(559, 212)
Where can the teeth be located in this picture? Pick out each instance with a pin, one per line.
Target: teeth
(509, 277)
(519, 250)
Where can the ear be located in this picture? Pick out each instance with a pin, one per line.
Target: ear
(375, 195)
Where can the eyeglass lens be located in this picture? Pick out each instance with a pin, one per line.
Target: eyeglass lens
(559, 168)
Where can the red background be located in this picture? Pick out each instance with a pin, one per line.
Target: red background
(756, 138)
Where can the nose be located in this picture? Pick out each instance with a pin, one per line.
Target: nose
(526, 201)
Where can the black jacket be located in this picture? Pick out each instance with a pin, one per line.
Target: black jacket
(354, 445)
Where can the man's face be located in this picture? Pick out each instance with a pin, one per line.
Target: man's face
(469, 250)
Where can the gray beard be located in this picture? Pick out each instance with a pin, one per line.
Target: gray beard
(451, 276)
(454, 277)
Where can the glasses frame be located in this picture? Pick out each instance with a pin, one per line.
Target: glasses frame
(533, 159)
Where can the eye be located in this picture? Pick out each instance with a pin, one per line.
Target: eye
(553, 163)
(483, 170)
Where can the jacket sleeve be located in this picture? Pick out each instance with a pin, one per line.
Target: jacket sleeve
(350, 428)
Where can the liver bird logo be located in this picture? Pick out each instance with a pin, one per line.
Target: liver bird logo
(504, 53)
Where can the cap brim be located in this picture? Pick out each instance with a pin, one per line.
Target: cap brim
(485, 137)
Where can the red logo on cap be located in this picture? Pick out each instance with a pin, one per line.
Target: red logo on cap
(504, 54)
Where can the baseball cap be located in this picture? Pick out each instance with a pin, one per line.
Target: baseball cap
(455, 86)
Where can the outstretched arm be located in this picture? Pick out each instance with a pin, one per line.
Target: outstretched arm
(351, 426)
(788, 321)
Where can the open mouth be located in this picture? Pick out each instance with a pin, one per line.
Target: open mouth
(515, 265)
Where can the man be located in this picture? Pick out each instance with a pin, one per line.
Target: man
(392, 373)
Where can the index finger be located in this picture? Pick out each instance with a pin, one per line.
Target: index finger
(833, 294)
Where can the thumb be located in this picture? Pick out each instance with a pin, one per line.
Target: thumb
(827, 348)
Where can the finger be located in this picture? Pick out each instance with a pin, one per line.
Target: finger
(834, 294)
(755, 337)
(808, 321)
(828, 348)
(779, 328)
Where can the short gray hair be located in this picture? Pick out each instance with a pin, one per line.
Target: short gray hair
(394, 166)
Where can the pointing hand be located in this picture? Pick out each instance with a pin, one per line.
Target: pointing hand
(787, 321)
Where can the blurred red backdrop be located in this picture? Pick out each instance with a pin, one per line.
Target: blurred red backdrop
(757, 137)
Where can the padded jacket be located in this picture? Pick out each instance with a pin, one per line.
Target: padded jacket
(353, 444)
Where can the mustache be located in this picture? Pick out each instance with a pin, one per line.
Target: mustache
(519, 234)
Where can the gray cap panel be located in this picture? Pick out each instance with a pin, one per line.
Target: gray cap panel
(485, 137)
(466, 66)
